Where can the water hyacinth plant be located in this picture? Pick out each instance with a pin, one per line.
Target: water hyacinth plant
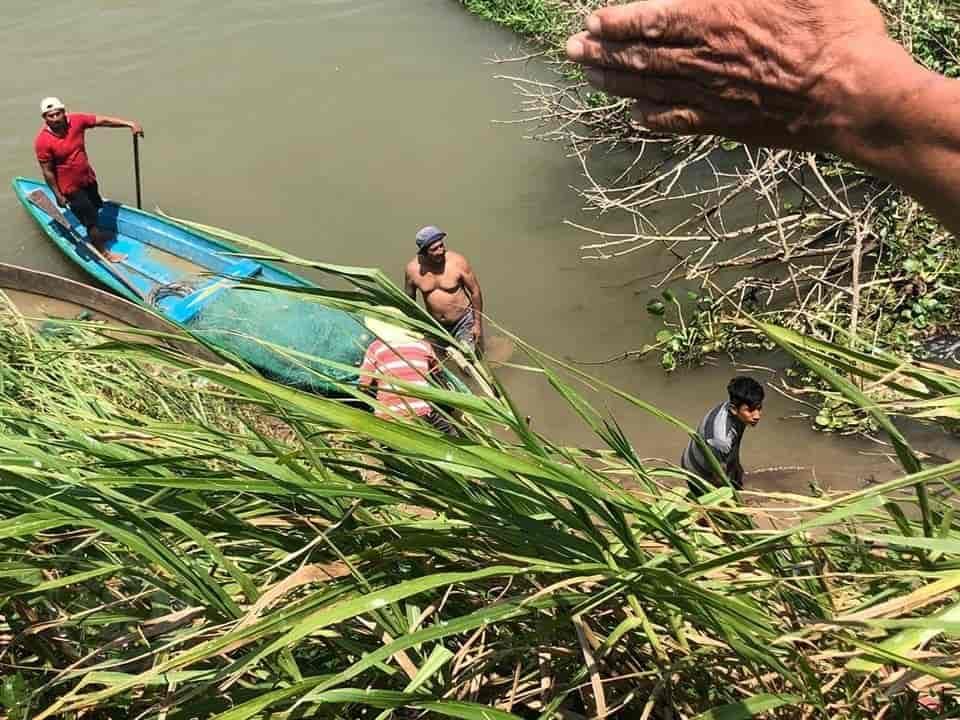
(186, 539)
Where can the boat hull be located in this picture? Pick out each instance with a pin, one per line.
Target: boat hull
(204, 285)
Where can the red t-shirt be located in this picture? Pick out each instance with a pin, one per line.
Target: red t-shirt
(411, 362)
(68, 153)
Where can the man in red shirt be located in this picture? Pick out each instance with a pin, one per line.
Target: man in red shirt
(66, 168)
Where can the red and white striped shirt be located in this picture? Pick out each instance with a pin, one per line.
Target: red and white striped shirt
(412, 362)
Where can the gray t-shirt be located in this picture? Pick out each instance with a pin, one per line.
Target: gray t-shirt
(722, 431)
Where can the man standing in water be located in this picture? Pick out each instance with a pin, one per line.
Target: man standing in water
(722, 429)
(62, 155)
(449, 287)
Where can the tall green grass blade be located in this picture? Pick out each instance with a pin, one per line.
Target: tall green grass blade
(790, 343)
(439, 657)
(750, 707)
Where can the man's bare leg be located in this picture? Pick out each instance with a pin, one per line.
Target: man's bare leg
(100, 238)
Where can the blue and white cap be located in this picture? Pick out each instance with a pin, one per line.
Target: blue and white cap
(427, 236)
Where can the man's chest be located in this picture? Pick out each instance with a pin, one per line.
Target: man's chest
(65, 148)
(448, 280)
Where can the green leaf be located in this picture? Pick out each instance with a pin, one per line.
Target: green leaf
(656, 307)
(751, 707)
(438, 658)
(71, 579)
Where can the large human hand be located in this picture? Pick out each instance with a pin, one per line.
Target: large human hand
(803, 74)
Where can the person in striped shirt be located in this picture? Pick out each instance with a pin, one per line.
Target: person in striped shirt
(722, 429)
(402, 354)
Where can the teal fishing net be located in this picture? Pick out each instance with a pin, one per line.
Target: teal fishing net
(285, 337)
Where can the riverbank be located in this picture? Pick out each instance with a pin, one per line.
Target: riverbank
(874, 264)
(548, 22)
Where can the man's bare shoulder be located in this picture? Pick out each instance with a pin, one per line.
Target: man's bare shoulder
(457, 260)
(413, 267)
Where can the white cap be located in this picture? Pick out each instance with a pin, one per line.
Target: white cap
(49, 104)
(390, 333)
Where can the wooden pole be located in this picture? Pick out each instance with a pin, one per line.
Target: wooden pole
(136, 166)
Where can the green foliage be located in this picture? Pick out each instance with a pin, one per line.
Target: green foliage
(909, 297)
(15, 696)
(168, 552)
(546, 21)
(921, 263)
(931, 31)
(692, 330)
(834, 413)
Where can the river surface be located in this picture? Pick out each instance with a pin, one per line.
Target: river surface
(336, 128)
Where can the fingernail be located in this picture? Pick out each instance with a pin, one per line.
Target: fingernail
(593, 25)
(574, 48)
(594, 77)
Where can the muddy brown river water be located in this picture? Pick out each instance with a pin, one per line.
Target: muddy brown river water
(336, 128)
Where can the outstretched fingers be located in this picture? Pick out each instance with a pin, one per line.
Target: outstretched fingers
(638, 57)
(677, 119)
(701, 106)
(697, 90)
(727, 119)
(725, 67)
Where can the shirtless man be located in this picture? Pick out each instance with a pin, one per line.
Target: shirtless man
(450, 290)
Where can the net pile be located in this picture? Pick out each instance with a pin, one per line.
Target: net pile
(285, 337)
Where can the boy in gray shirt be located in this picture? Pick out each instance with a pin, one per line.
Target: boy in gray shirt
(722, 429)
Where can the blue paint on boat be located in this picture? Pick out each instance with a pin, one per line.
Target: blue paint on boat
(278, 333)
(139, 234)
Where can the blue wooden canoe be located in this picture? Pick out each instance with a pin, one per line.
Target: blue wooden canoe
(191, 279)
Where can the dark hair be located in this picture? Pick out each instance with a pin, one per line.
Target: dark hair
(745, 390)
